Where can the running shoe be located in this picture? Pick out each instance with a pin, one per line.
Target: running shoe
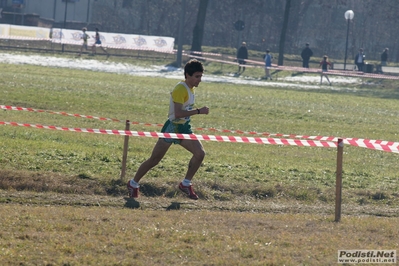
(188, 191)
(133, 191)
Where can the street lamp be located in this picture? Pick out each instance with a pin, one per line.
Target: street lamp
(348, 16)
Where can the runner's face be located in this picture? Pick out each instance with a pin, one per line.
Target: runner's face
(194, 80)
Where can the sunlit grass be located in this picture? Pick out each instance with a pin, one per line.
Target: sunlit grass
(62, 197)
(369, 114)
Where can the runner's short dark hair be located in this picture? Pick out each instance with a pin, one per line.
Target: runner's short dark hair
(193, 66)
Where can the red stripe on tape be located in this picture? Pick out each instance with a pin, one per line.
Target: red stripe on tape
(183, 136)
(366, 143)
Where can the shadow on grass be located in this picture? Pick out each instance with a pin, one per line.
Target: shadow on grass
(173, 206)
(132, 203)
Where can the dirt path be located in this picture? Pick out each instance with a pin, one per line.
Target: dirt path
(242, 204)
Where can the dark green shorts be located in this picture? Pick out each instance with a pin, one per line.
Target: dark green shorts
(170, 127)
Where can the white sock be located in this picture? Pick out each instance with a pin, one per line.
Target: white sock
(134, 184)
(186, 182)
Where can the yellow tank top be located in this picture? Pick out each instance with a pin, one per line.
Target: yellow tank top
(184, 95)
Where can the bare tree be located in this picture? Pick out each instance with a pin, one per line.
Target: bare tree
(283, 33)
(198, 32)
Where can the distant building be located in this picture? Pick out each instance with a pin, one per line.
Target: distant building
(46, 12)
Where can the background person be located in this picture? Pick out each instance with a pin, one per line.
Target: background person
(84, 37)
(242, 55)
(181, 108)
(306, 54)
(384, 57)
(97, 40)
(359, 60)
(324, 69)
(268, 64)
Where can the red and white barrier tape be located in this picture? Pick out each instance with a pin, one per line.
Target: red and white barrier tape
(373, 144)
(351, 141)
(358, 74)
(17, 108)
(14, 37)
(272, 141)
(369, 144)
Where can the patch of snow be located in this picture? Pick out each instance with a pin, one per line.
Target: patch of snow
(306, 81)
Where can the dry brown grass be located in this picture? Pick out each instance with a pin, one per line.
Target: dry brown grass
(50, 219)
(70, 235)
(47, 181)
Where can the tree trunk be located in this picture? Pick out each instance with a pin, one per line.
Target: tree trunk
(198, 32)
(283, 33)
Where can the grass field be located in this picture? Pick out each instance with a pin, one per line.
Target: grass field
(259, 204)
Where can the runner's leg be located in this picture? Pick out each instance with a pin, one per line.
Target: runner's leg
(198, 152)
(159, 151)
